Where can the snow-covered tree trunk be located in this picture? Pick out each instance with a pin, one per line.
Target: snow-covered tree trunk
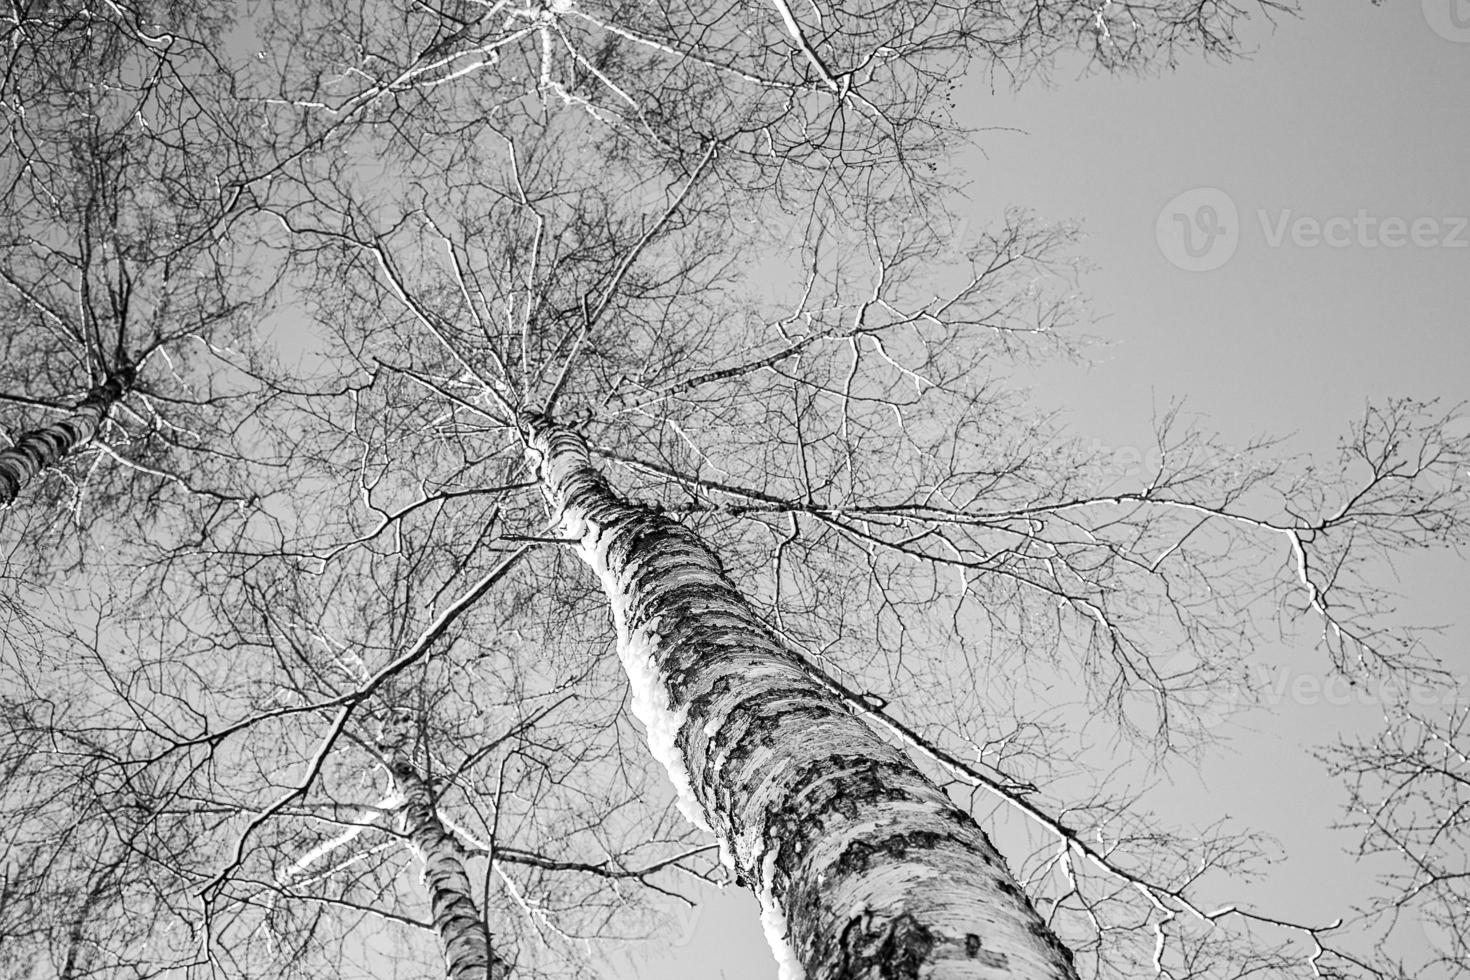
(41, 448)
(863, 867)
(463, 936)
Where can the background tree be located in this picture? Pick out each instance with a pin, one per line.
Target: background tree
(123, 290)
(268, 839)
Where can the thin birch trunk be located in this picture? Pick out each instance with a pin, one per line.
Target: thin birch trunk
(863, 867)
(78, 949)
(463, 936)
(42, 448)
(103, 887)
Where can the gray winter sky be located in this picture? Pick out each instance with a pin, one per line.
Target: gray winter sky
(1325, 189)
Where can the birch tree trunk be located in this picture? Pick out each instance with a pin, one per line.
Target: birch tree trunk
(45, 447)
(465, 940)
(863, 867)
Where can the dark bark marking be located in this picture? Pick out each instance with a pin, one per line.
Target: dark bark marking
(840, 786)
(896, 950)
(1039, 929)
(858, 856)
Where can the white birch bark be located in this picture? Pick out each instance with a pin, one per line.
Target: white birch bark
(463, 936)
(41, 448)
(864, 868)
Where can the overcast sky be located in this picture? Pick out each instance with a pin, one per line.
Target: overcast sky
(1274, 241)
